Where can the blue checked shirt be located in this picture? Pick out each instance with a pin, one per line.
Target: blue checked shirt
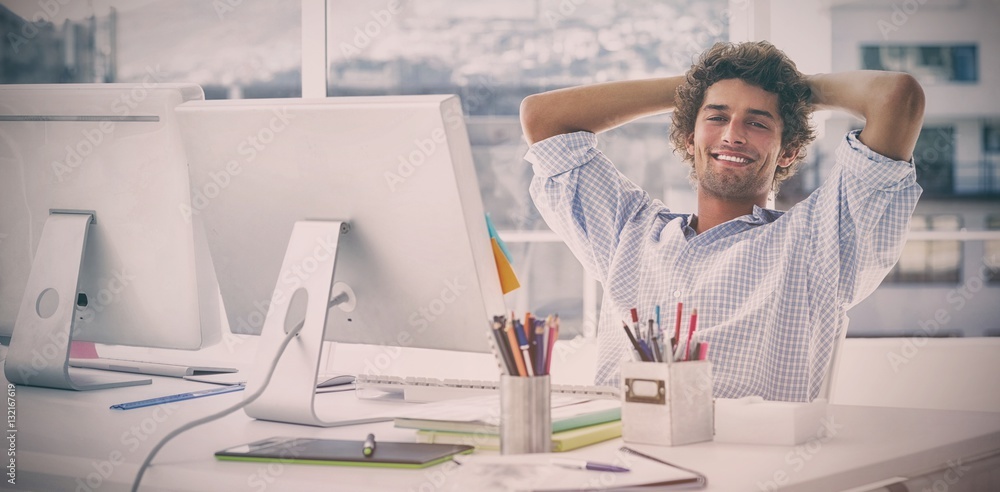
(771, 288)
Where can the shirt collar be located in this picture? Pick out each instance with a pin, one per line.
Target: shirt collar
(761, 216)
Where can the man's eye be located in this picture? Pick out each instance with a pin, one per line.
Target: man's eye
(716, 118)
(759, 125)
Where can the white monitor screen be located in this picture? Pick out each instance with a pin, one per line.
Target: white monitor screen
(399, 169)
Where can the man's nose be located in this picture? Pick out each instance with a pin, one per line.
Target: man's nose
(734, 134)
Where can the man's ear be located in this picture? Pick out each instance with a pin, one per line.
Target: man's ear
(690, 144)
(787, 157)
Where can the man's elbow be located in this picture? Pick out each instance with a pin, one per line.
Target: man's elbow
(532, 119)
(904, 97)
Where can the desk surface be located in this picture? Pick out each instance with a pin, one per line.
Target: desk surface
(73, 441)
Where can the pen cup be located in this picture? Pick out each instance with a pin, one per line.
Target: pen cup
(667, 404)
(525, 414)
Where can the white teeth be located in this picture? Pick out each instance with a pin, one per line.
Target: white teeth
(732, 158)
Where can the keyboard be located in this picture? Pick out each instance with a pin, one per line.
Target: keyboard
(418, 389)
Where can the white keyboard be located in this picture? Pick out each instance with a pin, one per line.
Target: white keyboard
(416, 389)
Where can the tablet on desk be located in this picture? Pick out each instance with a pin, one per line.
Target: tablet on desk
(343, 453)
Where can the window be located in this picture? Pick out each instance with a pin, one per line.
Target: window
(934, 158)
(991, 137)
(929, 63)
(929, 260)
(493, 55)
(250, 48)
(991, 253)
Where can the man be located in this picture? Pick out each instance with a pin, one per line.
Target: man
(771, 288)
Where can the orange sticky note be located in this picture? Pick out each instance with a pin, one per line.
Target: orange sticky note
(508, 280)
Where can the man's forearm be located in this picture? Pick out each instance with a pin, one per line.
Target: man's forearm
(891, 103)
(595, 108)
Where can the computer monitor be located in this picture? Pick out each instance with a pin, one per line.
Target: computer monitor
(93, 246)
(277, 182)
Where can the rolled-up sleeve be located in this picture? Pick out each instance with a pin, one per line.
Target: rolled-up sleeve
(582, 197)
(863, 213)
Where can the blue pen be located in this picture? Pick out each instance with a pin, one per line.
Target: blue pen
(539, 347)
(179, 397)
(647, 353)
(525, 346)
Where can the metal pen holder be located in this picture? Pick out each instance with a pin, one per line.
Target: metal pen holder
(667, 404)
(525, 414)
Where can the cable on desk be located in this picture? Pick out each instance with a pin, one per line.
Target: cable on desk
(204, 420)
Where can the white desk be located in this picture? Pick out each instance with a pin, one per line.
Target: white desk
(65, 439)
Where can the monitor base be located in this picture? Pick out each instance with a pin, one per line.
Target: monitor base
(39, 347)
(290, 396)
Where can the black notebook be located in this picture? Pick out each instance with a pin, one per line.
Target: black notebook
(343, 453)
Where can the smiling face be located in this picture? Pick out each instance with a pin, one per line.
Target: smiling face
(736, 142)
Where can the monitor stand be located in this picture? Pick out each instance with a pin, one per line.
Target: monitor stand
(291, 394)
(39, 347)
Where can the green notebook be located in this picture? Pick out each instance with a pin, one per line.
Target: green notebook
(482, 415)
(343, 453)
(561, 441)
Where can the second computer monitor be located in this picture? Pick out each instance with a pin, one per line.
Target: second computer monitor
(398, 169)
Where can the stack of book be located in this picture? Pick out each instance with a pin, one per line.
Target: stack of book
(476, 422)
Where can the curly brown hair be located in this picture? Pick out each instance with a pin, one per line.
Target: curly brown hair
(757, 63)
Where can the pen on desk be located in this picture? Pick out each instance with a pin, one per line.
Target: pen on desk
(529, 334)
(539, 347)
(515, 348)
(369, 448)
(655, 341)
(691, 329)
(178, 397)
(524, 345)
(586, 465)
(635, 343)
(635, 323)
(553, 336)
(502, 346)
(676, 340)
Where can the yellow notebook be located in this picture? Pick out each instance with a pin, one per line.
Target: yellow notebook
(561, 441)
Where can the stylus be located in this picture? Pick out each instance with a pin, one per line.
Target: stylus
(369, 448)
